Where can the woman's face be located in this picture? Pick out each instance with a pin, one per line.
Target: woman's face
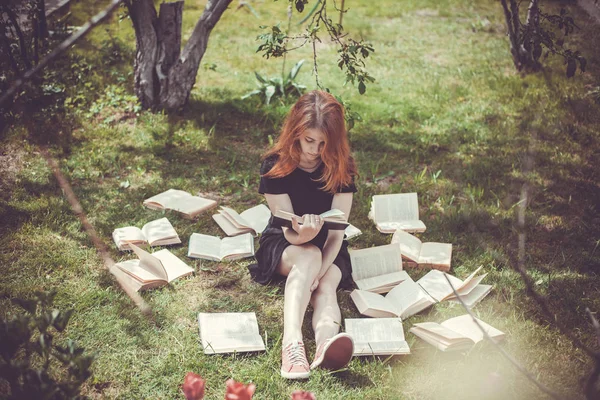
(311, 143)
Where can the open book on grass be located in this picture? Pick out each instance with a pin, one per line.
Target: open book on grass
(430, 254)
(391, 212)
(229, 332)
(181, 201)
(384, 336)
(436, 285)
(377, 269)
(153, 270)
(404, 300)
(159, 232)
(254, 220)
(334, 219)
(454, 334)
(216, 249)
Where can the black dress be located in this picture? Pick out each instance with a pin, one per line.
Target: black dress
(307, 198)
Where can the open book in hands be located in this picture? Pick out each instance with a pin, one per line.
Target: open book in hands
(377, 269)
(153, 270)
(396, 211)
(181, 201)
(254, 220)
(216, 249)
(376, 337)
(229, 332)
(454, 334)
(159, 232)
(430, 254)
(333, 219)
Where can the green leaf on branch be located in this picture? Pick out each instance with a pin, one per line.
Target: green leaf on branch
(361, 87)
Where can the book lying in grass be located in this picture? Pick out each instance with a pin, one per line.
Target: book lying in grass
(391, 212)
(377, 269)
(404, 300)
(334, 219)
(455, 334)
(153, 270)
(436, 285)
(376, 337)
(254, 220)
(430, 254)
(216, 249)
(181, 201)
(351, 232)
(159, 232)
(473, 297)
(229, 332)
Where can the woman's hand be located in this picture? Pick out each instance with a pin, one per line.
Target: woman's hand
(310, 227)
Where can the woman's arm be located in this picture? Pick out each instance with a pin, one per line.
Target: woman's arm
(343, 202)
(300, 233)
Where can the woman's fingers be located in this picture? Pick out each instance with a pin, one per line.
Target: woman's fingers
(295, 225)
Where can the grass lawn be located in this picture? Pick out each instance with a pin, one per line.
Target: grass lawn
(448, 118)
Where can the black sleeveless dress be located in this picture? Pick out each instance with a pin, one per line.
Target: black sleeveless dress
(307, 198)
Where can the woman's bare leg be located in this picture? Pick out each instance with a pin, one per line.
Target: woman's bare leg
(300, 264)
(326, 311)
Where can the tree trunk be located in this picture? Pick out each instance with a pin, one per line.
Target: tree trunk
(165, 75)
(523, 47)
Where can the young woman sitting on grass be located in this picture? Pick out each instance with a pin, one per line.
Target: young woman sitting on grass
(307, 172)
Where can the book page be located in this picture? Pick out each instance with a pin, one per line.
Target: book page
(174, 266)
(334, 215)
(440, 342)
(366, 301)
(159, 229)
(375, 261)
(229, 332)
(133, 268)
(395, 207)
(465, 326)
(474, 296)
(408, 298)
(128, 234)
(352, 231)
(377, 336)
(227, 226)
(242, 245)
(381, 283)
(205, 246)
(436, 285)
(234, 217)
(471, 285)
(407, 226)
(410, 246)
(442, 333)
(191, 205)
(162, 200)
(149, 262)
(435, 253)
(257, 217)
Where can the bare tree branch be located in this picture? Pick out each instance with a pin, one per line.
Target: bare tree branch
(61, 48)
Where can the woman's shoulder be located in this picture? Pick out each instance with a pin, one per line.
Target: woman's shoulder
(268, 163)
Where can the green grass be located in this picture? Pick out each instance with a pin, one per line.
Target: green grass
(448, 118)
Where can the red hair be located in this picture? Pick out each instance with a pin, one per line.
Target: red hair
(315, 110)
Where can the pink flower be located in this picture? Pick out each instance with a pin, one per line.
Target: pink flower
(193, 386)
(302, 395)
(239, 391)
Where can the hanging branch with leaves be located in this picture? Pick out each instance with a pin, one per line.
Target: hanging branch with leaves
(352, 53)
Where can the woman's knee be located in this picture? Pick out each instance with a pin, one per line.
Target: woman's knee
(330, 281)
(305, 257)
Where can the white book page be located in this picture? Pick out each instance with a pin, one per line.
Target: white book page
(234, 217)
(238, 245)
(474, 296)
(191, 204)
(442, 333)
(408, 226)
(228, 332)
(395, 207)
(226, 225)
(257, 217)
(334, 214)
(352, 231)
(149, 262)
(376, 336)
(128, 234)
(408, 298)
(436, 285)
(381, 281)
(465, 326)
(365, 300)
(436, 253)
(162, 200)
(202, 246)
(410, 246)
(471, 285)
(375, 261)
(133, 268)
(174, 266)
(159, 229)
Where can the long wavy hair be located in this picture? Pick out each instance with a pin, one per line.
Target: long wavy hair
(315, 110)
